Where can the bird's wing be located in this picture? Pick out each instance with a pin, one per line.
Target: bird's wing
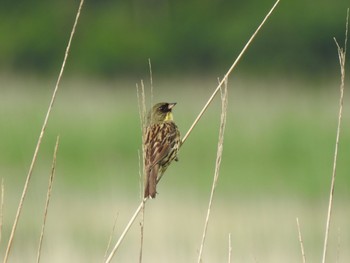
(160, 144)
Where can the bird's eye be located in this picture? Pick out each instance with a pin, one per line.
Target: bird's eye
(163, 108)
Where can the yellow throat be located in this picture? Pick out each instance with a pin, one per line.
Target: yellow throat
(168, 117)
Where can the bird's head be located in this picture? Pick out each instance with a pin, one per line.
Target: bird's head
(161, 112)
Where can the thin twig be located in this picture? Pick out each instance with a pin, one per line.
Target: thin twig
(142, 113)
(142, 225)
(142, 222)
(143, 121)
(131, 221)
(151, 78)
(49, 189)
(228, 73)
(301, 242)
(342, 56)
(29, 175)
(141, 102)
(224, 99)
(142, 107)
(111, 235)
(229, 248)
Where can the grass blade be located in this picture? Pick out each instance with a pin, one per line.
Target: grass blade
(342, 56)
(42, 132)
(301, 242)
(49, 189)
(224, 98)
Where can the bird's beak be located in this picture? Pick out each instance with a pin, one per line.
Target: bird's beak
(171, 105)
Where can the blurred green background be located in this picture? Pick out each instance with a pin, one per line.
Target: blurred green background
(279, 140)
(117, 37)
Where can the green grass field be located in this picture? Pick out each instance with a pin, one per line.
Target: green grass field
(277, 164)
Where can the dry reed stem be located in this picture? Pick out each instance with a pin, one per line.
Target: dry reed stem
(111, 236)
(142, 224)
(143, 116)
(229, 248)
(140, 174)
(229, 72)
(301, 242)
(142, 113)
(342, 59)
(132, 219)
(151, 79)
(2, 207)
(48, 196)
(142, 107)
(224, 99)
(122, 236)
(141, 102)
(42, 132)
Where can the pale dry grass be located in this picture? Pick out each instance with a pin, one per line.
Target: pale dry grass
(48, 197)
(229, 248)
(177, 221)
(342, 60)
(41, 135)
(224, 102)
(301, 242)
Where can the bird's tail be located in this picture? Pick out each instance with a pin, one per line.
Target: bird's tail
(151, 183)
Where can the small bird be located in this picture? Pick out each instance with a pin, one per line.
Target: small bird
(161, 144)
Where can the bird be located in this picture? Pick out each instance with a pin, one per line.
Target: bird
(161, 145)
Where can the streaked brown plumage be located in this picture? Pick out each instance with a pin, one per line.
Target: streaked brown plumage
(162, 142)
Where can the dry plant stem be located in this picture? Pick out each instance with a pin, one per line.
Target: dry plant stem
(142, 113)
(9, 245)
(217, 164)
(49, 189)
(301, 242)
(111, 236)
(2, 207)
(229, 248)
(140, 174)
(142, 223)
(228, 73)
(142, 108)
(342, 56)
(141, 101)
(151, 78)
(131, 221)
